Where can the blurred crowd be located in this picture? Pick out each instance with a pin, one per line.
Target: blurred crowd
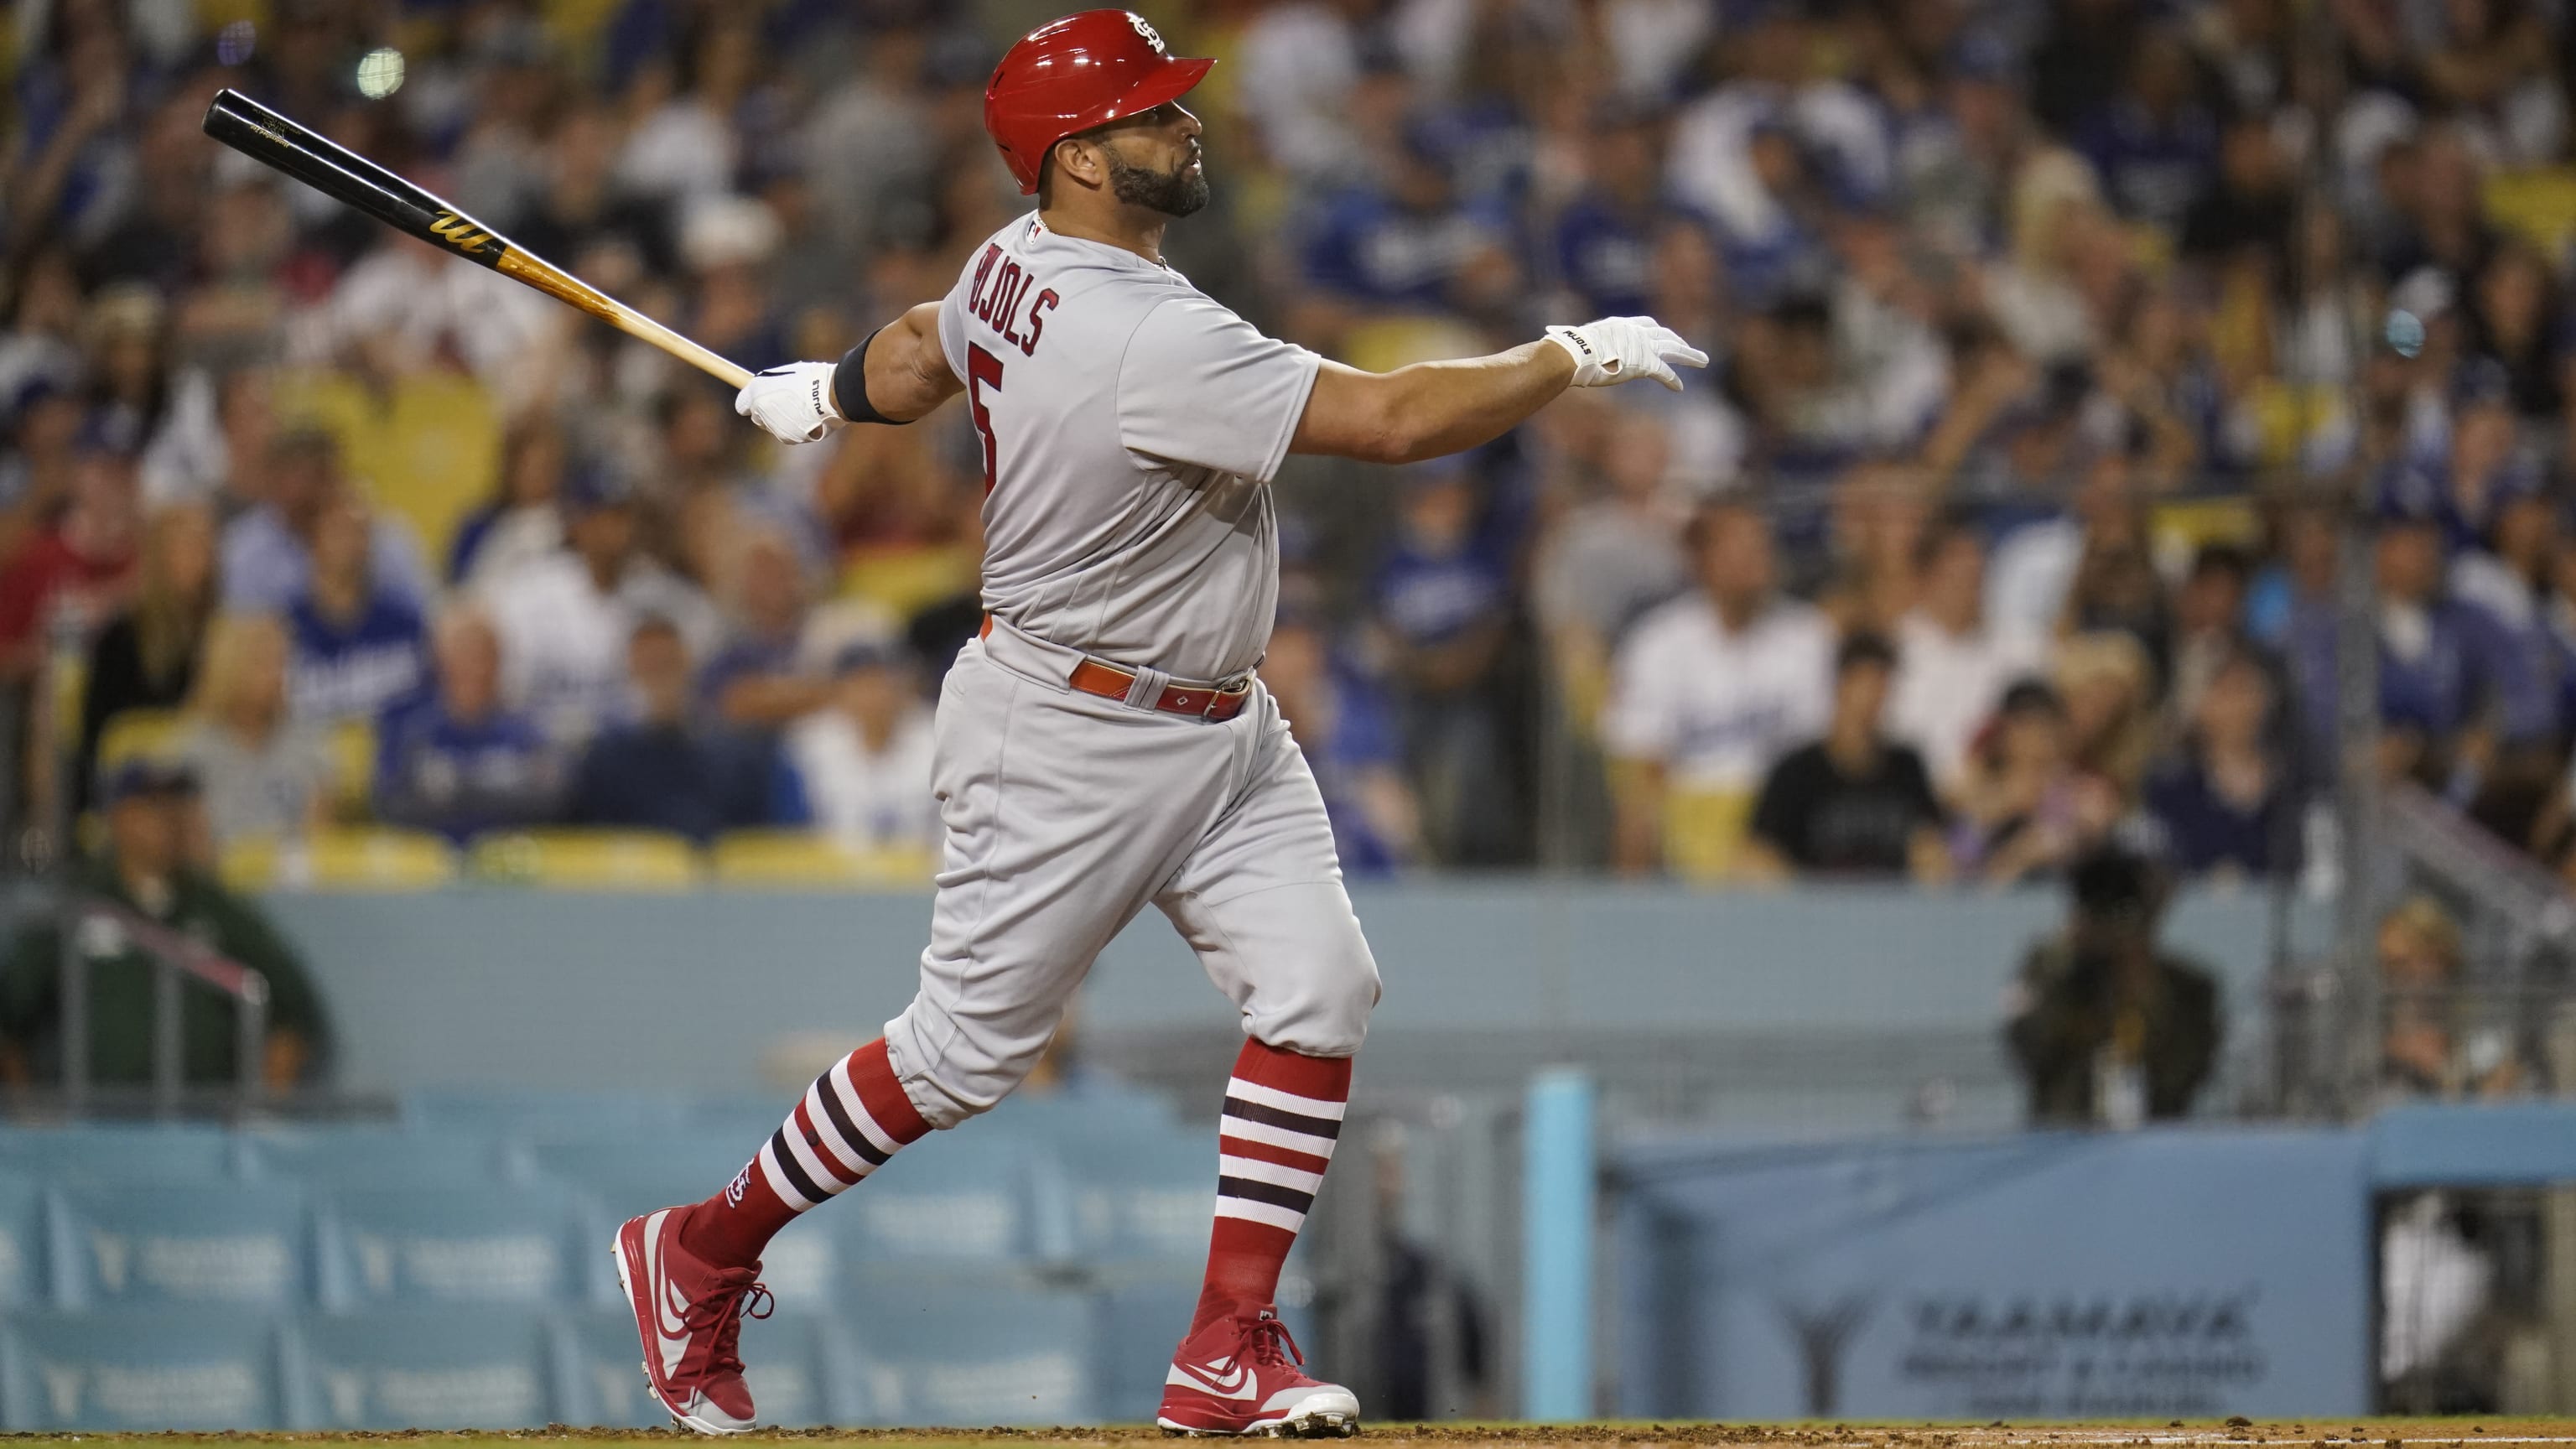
(2067, 353)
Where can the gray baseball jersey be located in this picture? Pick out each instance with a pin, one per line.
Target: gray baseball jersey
(1131, 426)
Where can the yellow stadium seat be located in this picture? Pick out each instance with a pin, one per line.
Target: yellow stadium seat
(140, 734)
(908, 579)
(68, 675)
(2185, 527)
(353, 768)
(1704, 831)
(1388, 343)
(2538, 206)
(2286, 416)
(798, 859)
(361, 858)
(426, 454)
(625, 860)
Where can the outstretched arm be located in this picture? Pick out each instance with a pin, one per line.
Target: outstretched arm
(906, 372)
(1432, 408)
(896, 375)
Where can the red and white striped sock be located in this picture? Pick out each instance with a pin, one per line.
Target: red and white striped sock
(852, 1120)
(1283, 1112)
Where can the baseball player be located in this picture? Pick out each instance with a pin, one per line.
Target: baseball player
(1106, 743)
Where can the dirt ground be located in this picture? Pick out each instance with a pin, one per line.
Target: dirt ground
(2315, 1434)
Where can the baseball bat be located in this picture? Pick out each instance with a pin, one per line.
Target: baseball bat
(343, 175)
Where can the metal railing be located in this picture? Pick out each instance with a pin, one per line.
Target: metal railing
(177, 962)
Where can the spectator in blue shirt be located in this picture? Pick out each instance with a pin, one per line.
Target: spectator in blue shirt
(665, 771)
(2154, 144)
(457, 762)
(2453, 684)
(1442, 597)
(268, 551)
(1409, 244)
(360, 650)
(1605, 238)
(1342, 727)
(2225, 804)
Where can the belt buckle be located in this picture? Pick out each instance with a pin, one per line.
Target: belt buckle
(1232, 687)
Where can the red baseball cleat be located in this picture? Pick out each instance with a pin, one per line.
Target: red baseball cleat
(1245, 1376)
(689, 1314)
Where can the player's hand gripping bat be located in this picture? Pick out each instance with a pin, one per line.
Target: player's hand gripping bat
(343, 175)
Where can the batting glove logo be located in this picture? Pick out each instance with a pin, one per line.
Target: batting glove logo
(741, 1184)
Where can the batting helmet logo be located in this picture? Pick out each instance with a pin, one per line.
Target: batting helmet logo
(1073, 74)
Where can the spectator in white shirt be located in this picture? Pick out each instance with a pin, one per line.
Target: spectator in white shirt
(859, 769)
(1707, 691)
(1952, 665)
(564, 618)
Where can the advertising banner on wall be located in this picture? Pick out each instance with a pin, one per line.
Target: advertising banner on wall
(2181, 1274)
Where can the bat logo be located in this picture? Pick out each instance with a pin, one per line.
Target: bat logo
(459, 233)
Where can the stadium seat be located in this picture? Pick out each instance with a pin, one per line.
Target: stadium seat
(432, 1368)
(1143, 1198)
(140, 1154)
(1135, 1327)
(209, 1242)
(352, 747)
(941, 1348)
(362, 1156)
(540, 1116)
(803, 860)
(1704, 831)
(970, 1200)
(139, 734)
(634, 860)
(796, 1364)
(904, 579)
(24, 1281)
(132, 1370)
(619, 1179)
(366, 858)
(451, 1245)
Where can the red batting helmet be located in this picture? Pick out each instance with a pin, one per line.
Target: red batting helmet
(1073, 74)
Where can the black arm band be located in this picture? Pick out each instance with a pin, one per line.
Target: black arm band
(850, 386)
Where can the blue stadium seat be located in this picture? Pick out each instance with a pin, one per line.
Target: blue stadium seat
(428, 1368)
(617, 1180)
(375, 1156)
(796, 1364)
(548, 1115)
(227, 1242)
(1144, 1197)
(131, 1369)
(967, 1349)
(121, 1154)
(24, 1281)
(451, 1245)
(1069, 1113)
(1135, 1327)
(969, 1196)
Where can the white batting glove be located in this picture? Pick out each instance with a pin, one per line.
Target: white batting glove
(793, 403)
(1618, 349)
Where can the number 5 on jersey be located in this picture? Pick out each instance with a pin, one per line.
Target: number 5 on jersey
(983, 370)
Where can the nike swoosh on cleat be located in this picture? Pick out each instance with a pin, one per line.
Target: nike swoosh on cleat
(674, 1348)
(1235, 1384)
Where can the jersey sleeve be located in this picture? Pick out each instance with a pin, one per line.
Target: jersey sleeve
(1199, 385)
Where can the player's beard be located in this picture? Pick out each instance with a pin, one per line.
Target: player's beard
(1173, 193)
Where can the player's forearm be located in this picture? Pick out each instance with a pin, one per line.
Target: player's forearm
(1435, 408)
(906, 375)
(1429, 408)
(1459, 405)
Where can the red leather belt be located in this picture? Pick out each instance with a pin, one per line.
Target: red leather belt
(1108, 681)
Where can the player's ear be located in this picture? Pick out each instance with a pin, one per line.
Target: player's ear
(1079, 159)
